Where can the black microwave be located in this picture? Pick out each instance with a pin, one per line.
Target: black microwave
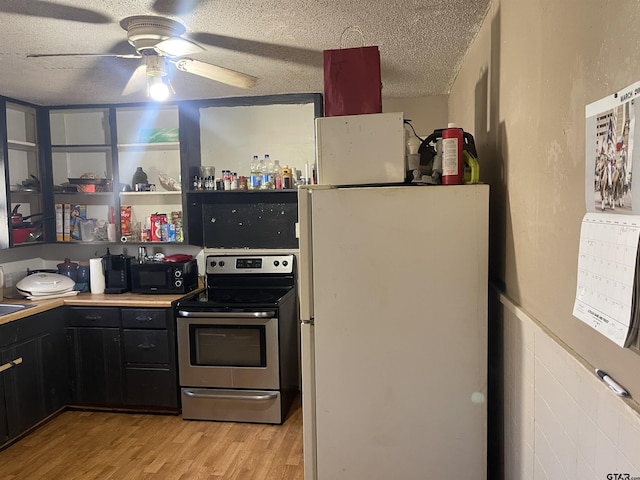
(164, 277)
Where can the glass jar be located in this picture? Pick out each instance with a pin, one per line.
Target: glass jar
(68, 269)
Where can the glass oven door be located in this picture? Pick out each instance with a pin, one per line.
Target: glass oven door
(228, 349)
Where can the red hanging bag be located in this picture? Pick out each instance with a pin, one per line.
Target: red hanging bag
(352, 82)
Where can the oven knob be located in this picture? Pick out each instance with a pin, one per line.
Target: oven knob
(221, 263)
(213, 263)
(285, 263)
(178, 283)
(177, 273)
(276, 263)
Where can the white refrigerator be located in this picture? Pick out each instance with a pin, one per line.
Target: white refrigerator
(393, 296)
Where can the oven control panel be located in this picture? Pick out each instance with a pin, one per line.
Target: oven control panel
(246, 264)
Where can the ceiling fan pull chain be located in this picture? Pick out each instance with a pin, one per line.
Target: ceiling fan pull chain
(351, 29)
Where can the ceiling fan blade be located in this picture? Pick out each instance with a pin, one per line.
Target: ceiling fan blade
(113, 55)
(120, 49)
(45, 9)
(175, 7)
(178, 47)
(216, 73)
(138, 81)
(298, 55)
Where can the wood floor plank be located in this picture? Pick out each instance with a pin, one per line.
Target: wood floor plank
(82, 445)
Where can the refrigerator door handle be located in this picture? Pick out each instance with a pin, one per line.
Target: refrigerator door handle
(305, 263)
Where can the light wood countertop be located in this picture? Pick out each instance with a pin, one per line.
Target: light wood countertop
(93, 300)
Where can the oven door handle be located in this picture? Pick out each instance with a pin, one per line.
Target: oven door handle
(231, 396)
(267, 314)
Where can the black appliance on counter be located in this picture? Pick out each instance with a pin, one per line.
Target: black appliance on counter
(164, 277)
(117, 273)
(238, 341)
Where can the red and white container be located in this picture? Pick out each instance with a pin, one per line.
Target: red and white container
(452, 160)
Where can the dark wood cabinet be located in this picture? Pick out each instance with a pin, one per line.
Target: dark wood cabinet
(23, 386)
(97, 366)
(123, 358)
(150, 357)
(34, 383)
(88, 356)
(95, 341)
(4, 430)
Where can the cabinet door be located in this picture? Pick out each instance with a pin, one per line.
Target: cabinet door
(55, 369)
(4, 432)
(98, 372)
(35, 382)
(25, 175)
(23, 386)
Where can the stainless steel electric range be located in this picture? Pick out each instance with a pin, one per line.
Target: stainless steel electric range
(238, 341)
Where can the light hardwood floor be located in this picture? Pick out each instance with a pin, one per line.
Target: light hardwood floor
(124, 446)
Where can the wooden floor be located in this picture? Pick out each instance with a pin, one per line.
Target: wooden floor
(123, 446)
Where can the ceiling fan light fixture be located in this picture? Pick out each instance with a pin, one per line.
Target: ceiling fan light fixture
(158, 89)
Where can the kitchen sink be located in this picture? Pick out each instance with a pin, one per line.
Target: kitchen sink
(7, 308)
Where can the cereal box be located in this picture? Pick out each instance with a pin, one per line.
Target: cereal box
(125, 219)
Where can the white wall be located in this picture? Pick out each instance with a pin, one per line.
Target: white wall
(561, 422)
(426, 113)
(231, 136)
(522, 92)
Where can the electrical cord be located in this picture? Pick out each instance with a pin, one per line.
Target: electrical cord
(408, 122)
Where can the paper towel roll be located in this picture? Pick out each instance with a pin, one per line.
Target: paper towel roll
(96, 275)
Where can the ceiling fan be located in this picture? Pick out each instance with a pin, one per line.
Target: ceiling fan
(49, 9)
(158, 43)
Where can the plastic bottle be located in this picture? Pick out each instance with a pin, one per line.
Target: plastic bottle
(267, 174)
(270, 171)
(287, 177)
(227, 179)
(452, 162)
(277, 175)
(255, 180)
(262, 167)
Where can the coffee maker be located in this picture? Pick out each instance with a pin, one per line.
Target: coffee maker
(117, 273)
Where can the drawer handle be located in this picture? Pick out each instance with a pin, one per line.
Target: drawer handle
(146, 346)
(93, 317)
(240, 395)
(11, 364)
(144, 319)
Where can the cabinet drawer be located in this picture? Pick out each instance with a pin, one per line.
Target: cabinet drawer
(93, 317)
(152, 387)
(146, 346)
(144, 318)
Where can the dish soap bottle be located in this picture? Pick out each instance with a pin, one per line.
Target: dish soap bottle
(138, 177)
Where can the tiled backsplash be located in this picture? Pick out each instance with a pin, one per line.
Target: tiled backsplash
(560, 421)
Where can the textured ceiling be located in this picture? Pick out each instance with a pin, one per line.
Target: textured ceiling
(422, 44)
